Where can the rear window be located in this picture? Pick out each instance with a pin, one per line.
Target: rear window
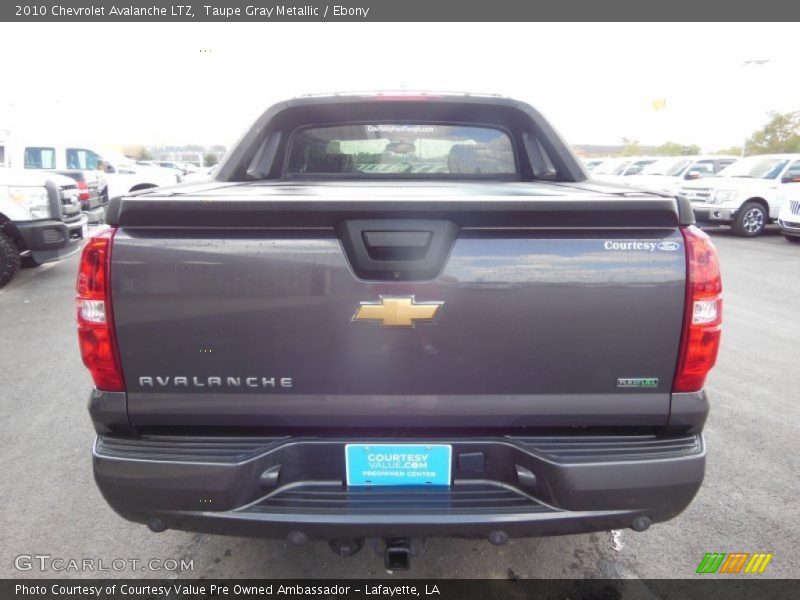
(401, 150)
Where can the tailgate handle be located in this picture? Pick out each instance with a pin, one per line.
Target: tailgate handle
(397, 245)
(397, 249)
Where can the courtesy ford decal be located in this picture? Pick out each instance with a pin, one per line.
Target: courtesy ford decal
(648, 246)
(669, 246)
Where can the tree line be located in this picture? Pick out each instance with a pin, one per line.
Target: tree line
(781, 135)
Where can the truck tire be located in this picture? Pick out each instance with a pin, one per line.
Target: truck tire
(750, 220)
(9, 259)
(28, 262)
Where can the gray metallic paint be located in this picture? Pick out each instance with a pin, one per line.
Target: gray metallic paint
(537, 326)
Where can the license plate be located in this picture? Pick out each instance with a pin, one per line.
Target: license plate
(398, 464)
(84, 231)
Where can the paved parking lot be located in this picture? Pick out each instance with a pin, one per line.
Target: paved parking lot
(749, 501)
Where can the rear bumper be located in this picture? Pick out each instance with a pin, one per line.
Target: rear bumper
(271, 487)
(49, 239)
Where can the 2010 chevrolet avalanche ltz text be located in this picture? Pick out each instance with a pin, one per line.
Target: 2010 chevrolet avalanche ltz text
(399, 316)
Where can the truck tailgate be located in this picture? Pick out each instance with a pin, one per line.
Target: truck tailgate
(564, 319)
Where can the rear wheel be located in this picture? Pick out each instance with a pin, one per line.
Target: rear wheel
(750, 220)
(792, 238)
(9, 259)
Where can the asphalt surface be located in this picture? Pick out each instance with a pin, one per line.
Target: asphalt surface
(749, 502)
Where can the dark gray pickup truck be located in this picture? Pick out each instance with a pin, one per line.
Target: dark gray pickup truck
(399, 316)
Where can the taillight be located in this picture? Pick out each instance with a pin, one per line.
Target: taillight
(83, 190)
(702, 320)
(95, 316)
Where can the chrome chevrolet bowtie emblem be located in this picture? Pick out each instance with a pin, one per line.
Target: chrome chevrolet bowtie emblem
(397, 311)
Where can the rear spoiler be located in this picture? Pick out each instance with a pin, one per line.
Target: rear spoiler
(186, 212)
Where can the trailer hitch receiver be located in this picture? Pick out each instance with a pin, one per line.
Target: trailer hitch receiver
(397, 555)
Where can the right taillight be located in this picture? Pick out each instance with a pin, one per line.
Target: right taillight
(95, 316)
(702, 320)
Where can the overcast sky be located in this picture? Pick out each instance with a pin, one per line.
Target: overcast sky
(120, 83)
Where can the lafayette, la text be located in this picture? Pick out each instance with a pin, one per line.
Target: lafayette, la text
(193, 590)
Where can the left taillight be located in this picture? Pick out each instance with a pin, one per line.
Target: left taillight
(95, 315)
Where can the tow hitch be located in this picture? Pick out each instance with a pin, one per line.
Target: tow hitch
(397, 552)
(397, 555)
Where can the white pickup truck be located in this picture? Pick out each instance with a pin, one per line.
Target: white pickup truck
(745, 195)
(122, 174)
(667, 174)
(40, 219)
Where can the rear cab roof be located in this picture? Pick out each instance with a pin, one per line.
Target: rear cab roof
(251, 177)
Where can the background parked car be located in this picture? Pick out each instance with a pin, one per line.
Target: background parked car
(203, 174)
(184, 168)
(124, 175)
(617, 170)
(746, 195)
(591, 163)
(667, 173)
